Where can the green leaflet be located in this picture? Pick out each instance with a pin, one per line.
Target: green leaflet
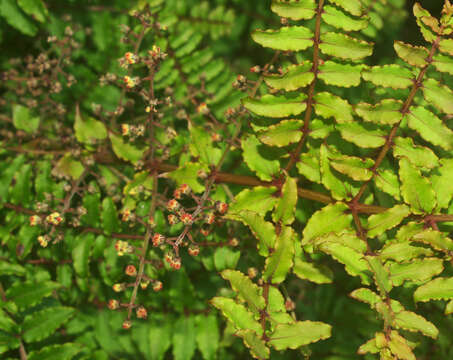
(353, 7)
(254, 154)
(300, 333)
(388, 182)
(88, 130)
(437, 289)
(69, 167)
(449, 308)
(413, 55)
(81, 254)
(419, 156)
(360, 135)
(286, 206)
(354, 167)
(294, 10)
(280, 262)
(184, 341)
(308, 166)
(410, 321)
(226, 258)
(331, 218)
(14, 17)
(393, 76)
(428, 24)
(293, 38)
(439, 95)
(282, 134)
(318, 274)
(329, 180)
(203, 147)
(344, 75)
(125, 151)
(276, 106)
(353, 261)
(263, 230)
(443, 63)
(319, 129)
(258, 199)
(328, 105)
(256, 345)
(23, 120)
(379, 223)
(207, 335)
(386, 112)
(381, 274)
(109, 216)
(344, 47)
(369, 347)
(56, 352)
(367, 296)
(436, 239)
(345, 238)
(446, 46)
(294, 77)
(41, 324)
(417, 270)
(237, 314)
(340, 20)
(26, 294)
(442, 184)
(399, 347)
(424, 199)
(401, 252)
(35, 8)
(245, 288)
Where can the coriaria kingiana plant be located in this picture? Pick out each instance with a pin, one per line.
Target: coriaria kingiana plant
(157, 198)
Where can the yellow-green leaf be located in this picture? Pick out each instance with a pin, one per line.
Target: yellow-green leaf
(379, 223)
(413, 55)
(298, 334)
(294, 9)
(276, 106)
(344, 47)
(393, 76)
(287, 38)
(293, 78)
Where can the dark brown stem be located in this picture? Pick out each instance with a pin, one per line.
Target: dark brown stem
(294, 156)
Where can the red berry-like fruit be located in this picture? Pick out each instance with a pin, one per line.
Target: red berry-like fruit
(221, 207)
(173, 205)
(173, 219)
(176, 264)
(210, 218)
(127, 324)
(158, 239)
(142, 313)
(113, 304)
(193, 250)
(186, 219)
(131, 270)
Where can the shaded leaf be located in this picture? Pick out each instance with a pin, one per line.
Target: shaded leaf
(109, 215)
(56, 352)
(318, 274)
(124, 150)
(23, 120)
(253, 156)
(207, 336)
(184, 342)
(26, 294)
(14, 17)
(41, 324)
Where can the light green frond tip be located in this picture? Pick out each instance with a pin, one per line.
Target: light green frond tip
(288, 38)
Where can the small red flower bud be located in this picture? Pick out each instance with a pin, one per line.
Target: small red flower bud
(173, 205)
(172, 219)
(210, 218)
(203, 109)
(193, 250)
(255, 69)
(127, 324)
(34, 220)
(113, 304)
(169, 257)
(216, 137)
(142, 313)
(131, 270)
(126, 215)
(186, 219)
(176, 264)
(119, 287)
(221, 207)
(144, 284)
(157, 286)
(252, 272)
(158, 239)
(289, 305)
(185, 189)
(177, 194)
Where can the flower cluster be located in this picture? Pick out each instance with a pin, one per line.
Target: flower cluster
(123, 247)
(54, 218)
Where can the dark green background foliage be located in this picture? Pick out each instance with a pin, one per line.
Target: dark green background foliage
(335, 244)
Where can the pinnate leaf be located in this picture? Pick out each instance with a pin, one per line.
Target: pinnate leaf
(56, 352)
(298, 334)
(27, 294)
(184, 342)
(207, 335)
(293, 38)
